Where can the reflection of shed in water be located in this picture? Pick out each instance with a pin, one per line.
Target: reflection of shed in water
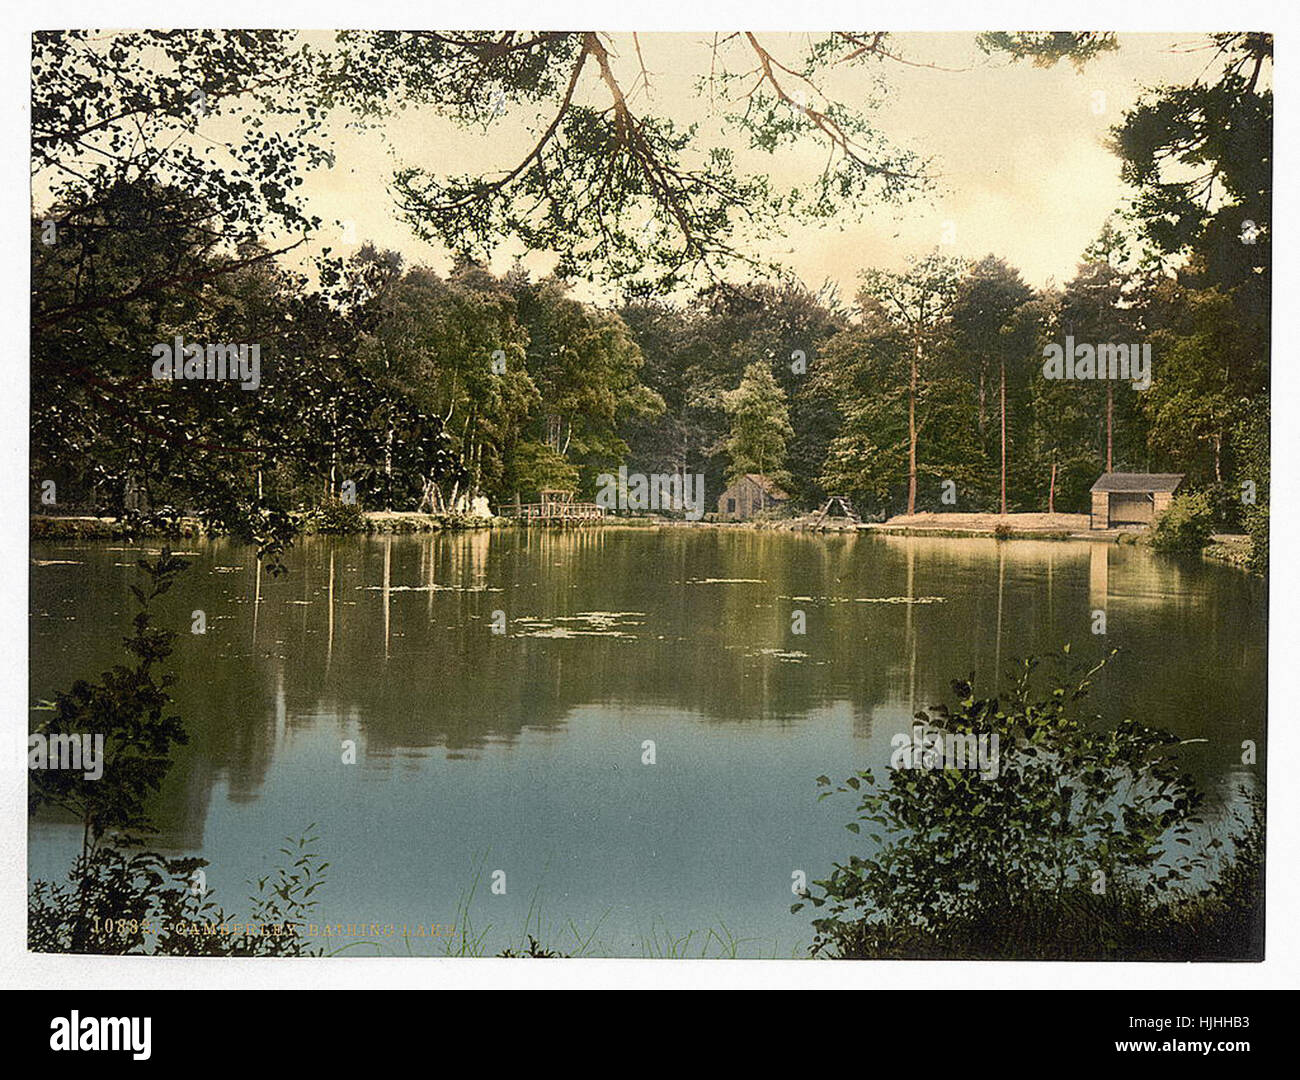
(1131, 499)
(1131, 577)
(1099, 575)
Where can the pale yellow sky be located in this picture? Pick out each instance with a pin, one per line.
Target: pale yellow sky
(1017, 151)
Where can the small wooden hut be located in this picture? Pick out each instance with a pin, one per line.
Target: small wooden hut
(1124, 500)
(750, 494)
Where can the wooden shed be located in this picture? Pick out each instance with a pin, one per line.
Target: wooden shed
(747, 496)
(1121, 500)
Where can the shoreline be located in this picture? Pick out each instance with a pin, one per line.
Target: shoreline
(1225, 548)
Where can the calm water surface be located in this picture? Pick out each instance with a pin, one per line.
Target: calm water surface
(523, 752)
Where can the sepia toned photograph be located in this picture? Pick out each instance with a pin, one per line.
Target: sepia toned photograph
(730, 495)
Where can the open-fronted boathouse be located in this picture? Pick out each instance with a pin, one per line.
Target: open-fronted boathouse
(1121, 499)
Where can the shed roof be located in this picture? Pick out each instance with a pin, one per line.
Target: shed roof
(1138, 481)
(767, 485)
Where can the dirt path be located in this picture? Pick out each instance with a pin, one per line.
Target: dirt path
(989, 522)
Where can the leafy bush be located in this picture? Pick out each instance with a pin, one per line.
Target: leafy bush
(1071, 848)
(1186, 526)
(1225, 506)
(337, 516)
(129, 708)
(1250, 443)
(118, 900)
(1256, 522)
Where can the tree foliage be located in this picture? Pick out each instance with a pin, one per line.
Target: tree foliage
(760, 426)
(426, 390)
(1072, 811)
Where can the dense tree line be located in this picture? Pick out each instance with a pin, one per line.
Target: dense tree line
(416, 390)
(426, 391)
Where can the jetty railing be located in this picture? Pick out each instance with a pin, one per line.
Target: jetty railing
(554, 511)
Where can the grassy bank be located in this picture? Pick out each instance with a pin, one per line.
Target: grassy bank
(393, 522)
(76, 527)
(57, 527)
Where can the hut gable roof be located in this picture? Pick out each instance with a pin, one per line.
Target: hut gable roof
(766, 484)
(1138, 481)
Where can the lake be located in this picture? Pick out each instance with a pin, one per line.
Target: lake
(524, 751)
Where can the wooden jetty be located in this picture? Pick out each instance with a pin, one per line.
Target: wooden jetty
(557, 507)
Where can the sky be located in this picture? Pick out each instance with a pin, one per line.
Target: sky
(1017, 153)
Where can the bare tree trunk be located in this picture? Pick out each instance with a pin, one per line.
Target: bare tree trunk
(451, 404)
(982, 416)
(1003, 373)
(388, 464)
(388, 448)
(1110, 423)
(911, 430)
(1051, 492)
(334, 449)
